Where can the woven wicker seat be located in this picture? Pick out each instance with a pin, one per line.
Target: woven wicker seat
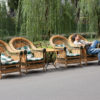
(20, 42)
(10, 61)
(65, 55)
(85, 57)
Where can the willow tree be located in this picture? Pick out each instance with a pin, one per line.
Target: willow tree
(98, 15)
(89, 18)
(13, 5)
(41, 18)
(31, 18)
(7, 24)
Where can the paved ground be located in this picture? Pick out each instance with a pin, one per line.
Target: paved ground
(74, 83)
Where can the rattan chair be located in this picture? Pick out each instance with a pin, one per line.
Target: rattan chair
(10, 61)
(85, 57)
(71, 42)
(39, 54)
(65, 55)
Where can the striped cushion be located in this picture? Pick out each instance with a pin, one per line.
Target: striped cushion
(7, 60)
(12, 62)
(4, 57)
(67, 51)
(29, 54)
(71, 54)
(34, 59)
(60, 45)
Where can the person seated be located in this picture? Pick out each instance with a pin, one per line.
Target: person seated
(91, 47)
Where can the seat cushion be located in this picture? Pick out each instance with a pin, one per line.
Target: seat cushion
(71, 54)
(67, 51)
(12, 62)
(29, 54)
(60, 45)
(7, 60)
(34, 59)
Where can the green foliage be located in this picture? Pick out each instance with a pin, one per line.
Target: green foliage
(88, 19)
(13, 4)
(41, 18)
(42, 44)
(7, 24)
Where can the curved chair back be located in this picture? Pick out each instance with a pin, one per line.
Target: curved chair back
(70, 39)
(4, 47)
(19, 42)
(58, 40)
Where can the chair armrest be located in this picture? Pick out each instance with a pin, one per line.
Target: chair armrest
(61, 53)
(16, 55)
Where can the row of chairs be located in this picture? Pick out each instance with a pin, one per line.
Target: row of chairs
(21, 53)
(72, 53)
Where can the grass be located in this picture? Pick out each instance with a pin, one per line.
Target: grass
(42, 44)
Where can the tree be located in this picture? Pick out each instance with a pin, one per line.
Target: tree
(98, 15)
(45, 17)
(13, 4)
(7, 24)
(42, 18)
(88, 16)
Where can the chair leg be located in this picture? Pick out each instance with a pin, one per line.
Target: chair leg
(26, 71)
(85, 62)
(44, 69)
(65, 64)
(80, 63)
(55, 64)
(20, 70)
(0, 75)
(26, 68)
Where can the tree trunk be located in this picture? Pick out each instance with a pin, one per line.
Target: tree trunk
(98, 26)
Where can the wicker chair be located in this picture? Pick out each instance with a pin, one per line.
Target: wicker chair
(85, 57)
(65, 55)
(19, 42)
(10, 61)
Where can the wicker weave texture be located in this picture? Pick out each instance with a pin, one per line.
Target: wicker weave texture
(61, 56)
(85, 56)
(70, 39)
(58, 40)
(19, 42)
(4, 48)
